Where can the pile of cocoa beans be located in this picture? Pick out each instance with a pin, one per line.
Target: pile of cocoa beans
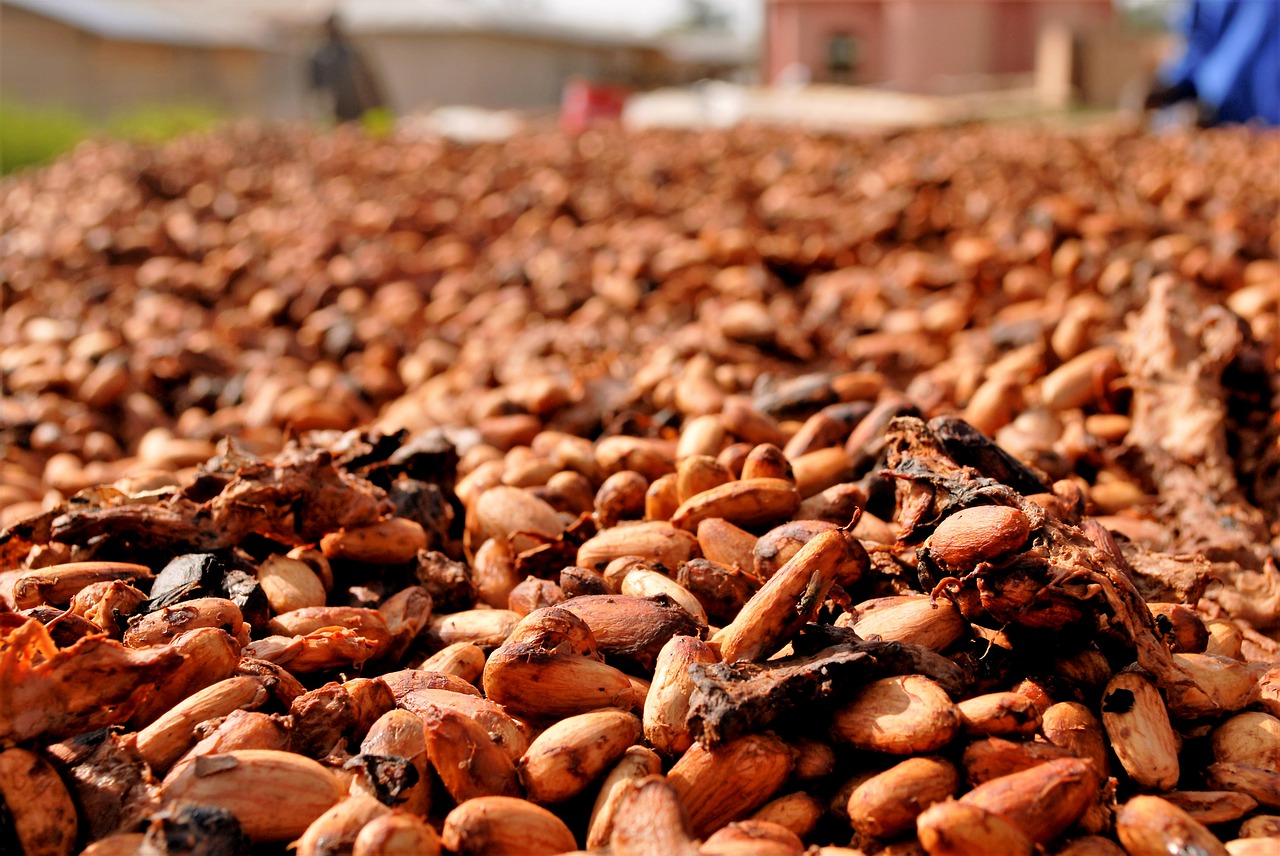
(257, 281)
(741, 491)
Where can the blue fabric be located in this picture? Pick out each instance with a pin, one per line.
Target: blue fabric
(1232, 58)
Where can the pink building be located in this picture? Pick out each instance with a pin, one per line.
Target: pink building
(912, 44)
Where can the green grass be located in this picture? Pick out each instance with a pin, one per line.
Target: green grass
(31, 136)
(157, 123)
(378, 122)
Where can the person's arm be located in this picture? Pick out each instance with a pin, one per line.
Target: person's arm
(1220, 78)
(315, 68)
(370, 90)
(1201, 27)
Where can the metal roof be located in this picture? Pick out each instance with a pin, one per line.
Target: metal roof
(182, 22)
(258, 23)
(473, 16)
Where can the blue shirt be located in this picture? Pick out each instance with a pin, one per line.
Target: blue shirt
(1232, 58)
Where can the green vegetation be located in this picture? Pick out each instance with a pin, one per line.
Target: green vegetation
(30, 136)
(159, 122)
(378, 122)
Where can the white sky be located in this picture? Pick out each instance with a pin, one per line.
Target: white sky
(648, 16)
(645, 16)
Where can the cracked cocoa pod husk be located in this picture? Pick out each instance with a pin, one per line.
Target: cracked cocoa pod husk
(55, 693)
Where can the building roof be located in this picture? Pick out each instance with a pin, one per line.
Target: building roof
(473, 16)
(708, 47)
(252, 23)
(182, 22)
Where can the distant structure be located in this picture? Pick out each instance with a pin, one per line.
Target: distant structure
(339, 69)
(99, 58)
(914, 45)
(250, 57)
(463, 52)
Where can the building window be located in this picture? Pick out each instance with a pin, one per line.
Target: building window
(842, 57)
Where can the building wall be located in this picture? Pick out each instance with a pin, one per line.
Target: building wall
(1115, 68)
(134, 74)
(1012, 46)
(425, 69)
(46, 63)
(799, 33)
(42, 62)
(929, 39)
(917, 44)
